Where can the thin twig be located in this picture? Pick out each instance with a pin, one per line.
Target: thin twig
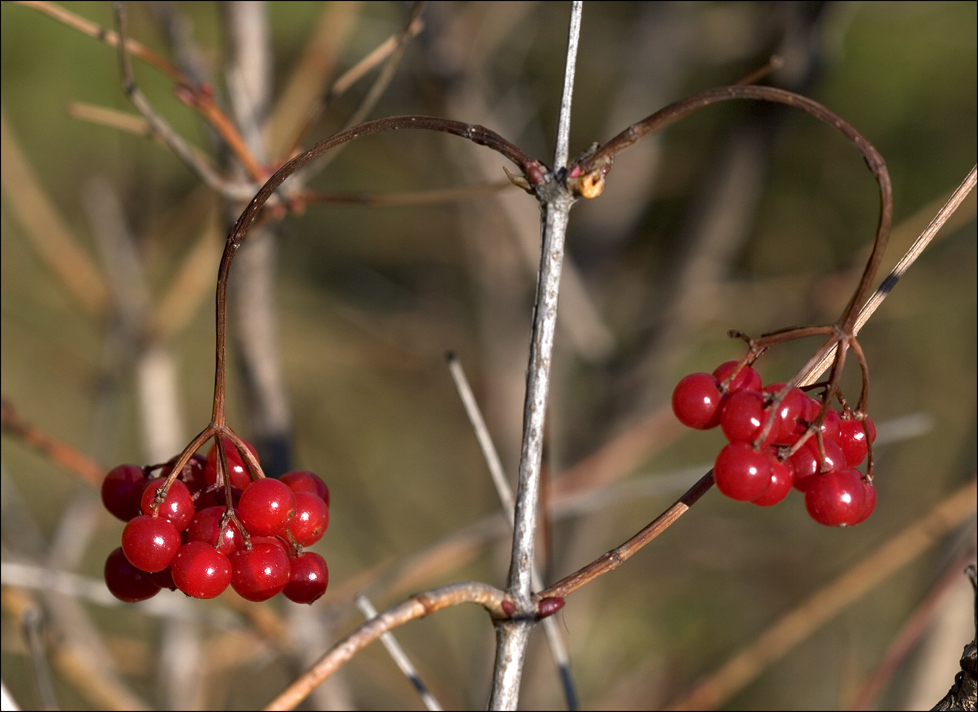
(824, 604)
(233, 190)
(399, 656)
(556, 199)
(415, 197)
(418, 606)
(554, 638)
(918, 247)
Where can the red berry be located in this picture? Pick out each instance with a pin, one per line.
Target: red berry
(308, 579)
(164, 579)
(206, 525)
(806, 465)
(793, 407)
(836, 499)
(741, 472)
(852, 439)
(305, 481)
(125, 581)
(830, 426)
(780, 485)
(696, 401)
(869, 505)
(267, 507)
(743, 417)
(177, 508)
(192, 474)
(311, 518)
(239, 474)
(150, 543)
(215, 498)
(746, 380)
(122, 489)
(201, 571)
(261, 573)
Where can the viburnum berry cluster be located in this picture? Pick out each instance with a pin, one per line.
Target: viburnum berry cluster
(200, 531)
(779, 438)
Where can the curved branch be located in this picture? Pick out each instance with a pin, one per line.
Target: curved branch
(419, 606)
(600, 161)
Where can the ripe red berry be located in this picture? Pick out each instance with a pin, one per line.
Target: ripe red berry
(793, 407)
(163, 579)
(206, 525)
(869, 505)
(239, 474)
(741, 472)
(780, 485)
(836, 499)
(305, 481)
(743, 417)
(806, 464)
(696, 401)
(122, 489)
(192, 474)
(746, 380)
(308, 579)
(125, 581)
(177, 508)
(852, 439)
(311, 518)
(150, 543)
(201, 571)
(831, 424)
(260, 573)
(267, 507)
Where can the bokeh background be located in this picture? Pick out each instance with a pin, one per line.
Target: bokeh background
(742, 217)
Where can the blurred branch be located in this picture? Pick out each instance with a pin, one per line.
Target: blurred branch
(63, 454)
(418, 606)
(419, 197)
(811, 614)
(53, 241)
(399, 656)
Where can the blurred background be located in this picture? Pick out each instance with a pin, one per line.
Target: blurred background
(744, 216)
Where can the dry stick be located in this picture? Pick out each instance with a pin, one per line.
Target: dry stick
(415, 197)
(33, 621)
(399, 656)
(233, 190)
(556, 199)
(418, 606)
(919, 245)
(554, 638)
(107, 36)
(798, 624)
(68, 457)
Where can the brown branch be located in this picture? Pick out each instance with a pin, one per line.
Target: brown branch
(62, 453)
(419, 197)
(418, 606)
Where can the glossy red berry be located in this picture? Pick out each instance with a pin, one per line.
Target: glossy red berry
(267, 507)
(780, 485)
(163, 579)
(206, 525)
(177, 508)
(201, 571)
(308, 579)
(743, 417)
(836, 499)
(150, 543)
(239, 474)
(852, 439)
(806, 465)
(311, 518)
(122, 490)
(696, 401)
(790, 410)
(305, 481)
(192, 474)
(831, 425)
(869, 504)
(741, 472)
(125, 581)
(260, 573)
(747, 379)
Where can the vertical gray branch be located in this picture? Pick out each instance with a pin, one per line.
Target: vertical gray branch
(512, 636)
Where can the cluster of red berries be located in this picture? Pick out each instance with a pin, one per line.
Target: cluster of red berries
(764, 459)
(193, 543)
